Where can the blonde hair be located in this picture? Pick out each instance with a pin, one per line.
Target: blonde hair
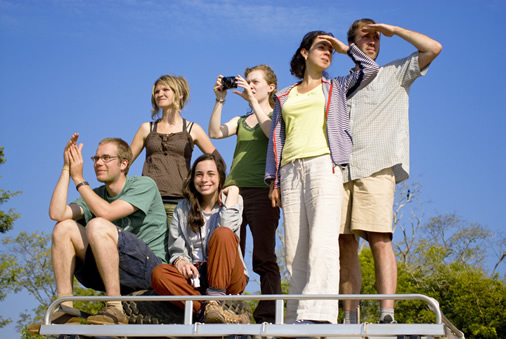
(179, 87)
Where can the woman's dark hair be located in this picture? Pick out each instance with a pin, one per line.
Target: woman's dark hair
(298, 63)
(195, 217)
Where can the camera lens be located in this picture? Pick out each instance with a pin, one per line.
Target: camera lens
(227, 83)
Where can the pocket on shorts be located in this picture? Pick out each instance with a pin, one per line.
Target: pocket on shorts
(135, 260)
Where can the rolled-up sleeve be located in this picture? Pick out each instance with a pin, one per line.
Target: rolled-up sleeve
(231, 217)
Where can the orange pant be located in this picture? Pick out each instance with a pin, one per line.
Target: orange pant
(225, 270)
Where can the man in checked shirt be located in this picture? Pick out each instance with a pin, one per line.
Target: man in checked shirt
(379, 160)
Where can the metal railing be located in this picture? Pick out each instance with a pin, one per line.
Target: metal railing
(442, 328)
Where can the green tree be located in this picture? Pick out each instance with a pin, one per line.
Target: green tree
(472, 300)
(25, 266)
(459, 240)
(446, 263)
(6, 218)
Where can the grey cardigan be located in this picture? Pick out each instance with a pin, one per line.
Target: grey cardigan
(222, 216)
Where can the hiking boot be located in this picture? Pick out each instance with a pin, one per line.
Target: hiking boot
(387, 320)
(199, 315)
(108, 315)
(58, 317)
(215, 313)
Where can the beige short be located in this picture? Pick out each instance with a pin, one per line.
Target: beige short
(368, 204)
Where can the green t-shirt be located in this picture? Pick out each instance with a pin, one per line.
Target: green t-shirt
(248, 165)
(149, 222)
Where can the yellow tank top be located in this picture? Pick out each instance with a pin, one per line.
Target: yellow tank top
(306, 126)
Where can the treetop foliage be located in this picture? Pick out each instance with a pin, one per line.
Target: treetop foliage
(6, 218)
(442, 257)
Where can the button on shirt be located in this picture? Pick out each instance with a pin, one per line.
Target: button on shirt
(379, 121)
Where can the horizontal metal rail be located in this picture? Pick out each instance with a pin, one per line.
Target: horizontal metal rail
(441, 328)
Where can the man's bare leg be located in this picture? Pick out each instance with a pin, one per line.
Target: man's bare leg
(103, 238)
(68, 242)
(351, 278)
(385, 267)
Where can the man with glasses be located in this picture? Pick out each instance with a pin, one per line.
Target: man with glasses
(111, 237)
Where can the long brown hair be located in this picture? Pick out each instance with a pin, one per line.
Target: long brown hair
(195, 217)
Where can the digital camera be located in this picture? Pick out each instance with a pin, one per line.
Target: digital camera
(195, 282)
(227, 83)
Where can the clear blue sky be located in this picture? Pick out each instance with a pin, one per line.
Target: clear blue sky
(88, 66)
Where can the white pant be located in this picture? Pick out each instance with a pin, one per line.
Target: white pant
(311, 195)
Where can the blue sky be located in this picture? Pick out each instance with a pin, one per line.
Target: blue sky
(88, 66)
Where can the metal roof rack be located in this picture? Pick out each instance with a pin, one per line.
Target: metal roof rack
(442, 328)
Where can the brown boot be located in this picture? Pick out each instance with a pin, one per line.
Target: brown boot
(58, 317)
(108, 315)
(216, 313)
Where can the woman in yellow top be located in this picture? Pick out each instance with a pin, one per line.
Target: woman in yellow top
(309, 143)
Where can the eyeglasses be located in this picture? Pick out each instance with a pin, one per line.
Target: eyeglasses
(105, 158)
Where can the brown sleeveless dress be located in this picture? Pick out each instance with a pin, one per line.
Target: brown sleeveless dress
(168, 160)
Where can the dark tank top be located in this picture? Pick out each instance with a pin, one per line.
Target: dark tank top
(168, 160)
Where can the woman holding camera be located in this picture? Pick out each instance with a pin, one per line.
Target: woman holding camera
(247, 172)
(169, 140)
(309, 144)
(204, 242)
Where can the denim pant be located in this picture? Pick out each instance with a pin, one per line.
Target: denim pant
(136, 262)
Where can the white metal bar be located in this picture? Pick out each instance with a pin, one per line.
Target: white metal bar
(278, 329)
(269, 330)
